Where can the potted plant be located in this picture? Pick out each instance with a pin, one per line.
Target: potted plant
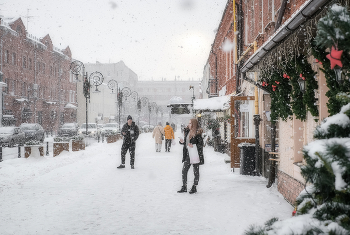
(78, 143)
(112, 136)
(60, 144)
(32, 145)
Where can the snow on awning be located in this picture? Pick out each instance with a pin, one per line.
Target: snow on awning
(70, 106)
(213, 104)
(21, 100)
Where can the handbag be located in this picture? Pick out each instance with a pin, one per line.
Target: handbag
(193, 154)
(161, 134)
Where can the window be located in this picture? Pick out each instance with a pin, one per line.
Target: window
(14, 59)
(24, 62)
(6, 59)
(19, 29)
(7, 81)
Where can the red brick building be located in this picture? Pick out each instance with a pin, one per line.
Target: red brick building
(39, 82)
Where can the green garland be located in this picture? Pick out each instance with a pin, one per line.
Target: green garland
(305, 70)
(298, 106)
(279, 90)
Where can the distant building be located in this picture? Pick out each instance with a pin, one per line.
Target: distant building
(39, 87)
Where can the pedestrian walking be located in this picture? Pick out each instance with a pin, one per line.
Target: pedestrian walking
(192, 154)
(169, 136)
(158, 135)
(130, 133)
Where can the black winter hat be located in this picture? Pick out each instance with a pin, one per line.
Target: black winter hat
(129, 117)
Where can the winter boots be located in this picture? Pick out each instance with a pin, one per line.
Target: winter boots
(121, 166)
(193, 189)
(132, 167)
(183, 189)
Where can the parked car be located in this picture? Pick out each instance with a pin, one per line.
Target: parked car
(110, 129)
(33, 131)
(147, 128)
(68, 129)
(93, 131)
(11, 135)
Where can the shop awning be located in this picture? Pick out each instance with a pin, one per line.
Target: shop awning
(215, 104)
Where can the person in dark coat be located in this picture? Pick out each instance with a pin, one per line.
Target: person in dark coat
(130, 133)
(192, 154)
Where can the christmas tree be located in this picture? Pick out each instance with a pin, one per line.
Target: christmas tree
(323, 207)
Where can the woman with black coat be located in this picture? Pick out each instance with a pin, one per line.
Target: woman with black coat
(192, 154)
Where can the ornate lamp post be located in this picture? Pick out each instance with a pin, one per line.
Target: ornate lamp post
(135, 96)
(145, 102)
(77, 68)
(154, 107)
(123, 94)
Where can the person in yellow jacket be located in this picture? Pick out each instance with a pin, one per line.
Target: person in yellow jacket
(169, 136)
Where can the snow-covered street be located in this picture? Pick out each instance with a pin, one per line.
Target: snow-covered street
(84, 193)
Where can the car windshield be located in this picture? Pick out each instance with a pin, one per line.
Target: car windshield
(89, 126)
(111, 125)
(68, 125)
(6, 130)
(28, 127)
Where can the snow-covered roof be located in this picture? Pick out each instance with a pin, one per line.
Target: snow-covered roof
(215, 103)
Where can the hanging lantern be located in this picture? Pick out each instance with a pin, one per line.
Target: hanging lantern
(338, 75)
(301, 82)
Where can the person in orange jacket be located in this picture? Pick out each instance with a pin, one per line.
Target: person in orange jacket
(169, 136)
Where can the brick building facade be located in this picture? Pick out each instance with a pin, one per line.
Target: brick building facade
(39, 84)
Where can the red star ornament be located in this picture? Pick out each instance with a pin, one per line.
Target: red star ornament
(334, 58)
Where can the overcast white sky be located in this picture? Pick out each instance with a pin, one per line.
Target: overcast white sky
(155, 38)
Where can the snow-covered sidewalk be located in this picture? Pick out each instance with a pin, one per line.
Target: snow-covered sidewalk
(84, 193)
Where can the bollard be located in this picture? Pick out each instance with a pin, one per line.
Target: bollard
(47, 148)
(19, 151)
(1, 153)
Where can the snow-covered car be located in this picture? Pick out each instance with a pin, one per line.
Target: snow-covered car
(92, 130)
(110, 129)
(147, 128)
(11, 135)
(68, 129)
(33, 131)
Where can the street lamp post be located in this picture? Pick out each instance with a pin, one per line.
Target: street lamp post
(135, 96)
(145, 102)
(154, 107)
(78, 68)
(193, 97)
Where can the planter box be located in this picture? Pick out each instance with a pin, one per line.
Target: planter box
(78, 145)
(112, 138)
(28, 150)
(59, 148)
